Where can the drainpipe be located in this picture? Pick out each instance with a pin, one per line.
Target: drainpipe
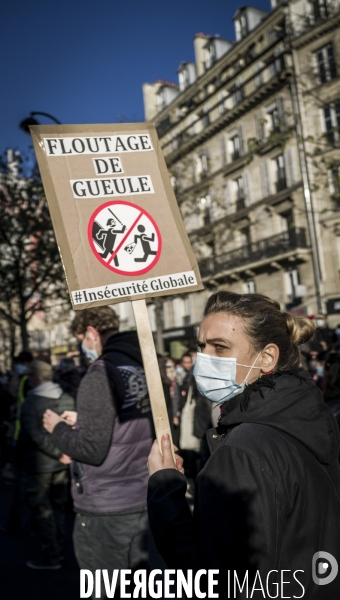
(306, 186)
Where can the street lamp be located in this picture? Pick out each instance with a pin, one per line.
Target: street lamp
(24, 125)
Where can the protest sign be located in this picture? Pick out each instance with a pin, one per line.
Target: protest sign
(115, 216)
(117, 224)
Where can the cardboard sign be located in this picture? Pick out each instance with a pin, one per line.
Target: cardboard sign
(114, 213)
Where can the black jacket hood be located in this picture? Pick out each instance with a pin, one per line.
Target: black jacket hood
(124, 342)
(291, 403)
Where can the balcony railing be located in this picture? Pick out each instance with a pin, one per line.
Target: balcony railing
(232, 99)
(263, 249)
(236, 154)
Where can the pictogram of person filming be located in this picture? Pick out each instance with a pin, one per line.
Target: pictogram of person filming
(108, 236)
(145, 241)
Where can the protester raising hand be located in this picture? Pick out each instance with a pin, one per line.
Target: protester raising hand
(273, 467)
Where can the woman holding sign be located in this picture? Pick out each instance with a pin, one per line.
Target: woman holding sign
(267, 506)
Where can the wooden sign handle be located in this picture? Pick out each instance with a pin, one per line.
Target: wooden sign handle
(151, 368)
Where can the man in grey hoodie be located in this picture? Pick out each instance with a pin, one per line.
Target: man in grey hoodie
(45, 466)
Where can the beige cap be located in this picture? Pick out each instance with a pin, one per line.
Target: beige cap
(41, 370)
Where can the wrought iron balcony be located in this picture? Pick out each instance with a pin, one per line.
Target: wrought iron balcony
(267, 248)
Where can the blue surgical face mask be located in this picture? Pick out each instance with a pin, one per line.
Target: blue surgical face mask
(216, 377)
(91, 354)
(319, 370)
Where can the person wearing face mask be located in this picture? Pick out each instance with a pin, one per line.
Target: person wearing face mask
(108, 439)
(323, 333)
(268, 499)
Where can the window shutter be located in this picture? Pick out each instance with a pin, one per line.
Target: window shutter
(228, 198)
(259, 125)
(289, 167)
(241, 139)
(331, 182)
(265, 179)
(280, 103)
(223, 150)
(247, 188)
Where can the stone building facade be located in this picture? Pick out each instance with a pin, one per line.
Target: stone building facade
(230, 136)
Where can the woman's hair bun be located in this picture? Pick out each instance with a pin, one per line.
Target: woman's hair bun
(300, 330)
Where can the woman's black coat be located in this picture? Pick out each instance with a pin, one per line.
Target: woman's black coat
(268, 498)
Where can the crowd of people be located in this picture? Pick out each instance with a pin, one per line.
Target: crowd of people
(90, 431)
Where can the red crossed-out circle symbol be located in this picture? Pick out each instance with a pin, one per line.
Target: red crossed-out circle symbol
(124, 238)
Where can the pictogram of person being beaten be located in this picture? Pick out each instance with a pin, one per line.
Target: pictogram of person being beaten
(145, 241)
(106, 237)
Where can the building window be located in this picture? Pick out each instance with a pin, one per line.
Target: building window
(258, 79)
(161, 100)
(237, 93)
(334, 186)
(223, 145)
(278, 63)
(241, 27)
(260, 123)
(331, 115)
(272, 36)
(201, 167)
(320, 9)
(210, 55)
(249, 287)
(245, 239)
(192, 126)
(235, 146)
(206, 117)
(325, 63)
(229, 205)
(292, 284)
(205, 205)
(274, 120)
(250, 54)
(279, 164)
(204, 163)
(184, 79)
(175, 143)
(222, 102)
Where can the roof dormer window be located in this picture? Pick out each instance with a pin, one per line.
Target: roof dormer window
(246, 19)
(241, 26)
(210, 55)
(161, 100)
(184, 80)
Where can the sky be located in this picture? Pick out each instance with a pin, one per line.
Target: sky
(85, 61)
